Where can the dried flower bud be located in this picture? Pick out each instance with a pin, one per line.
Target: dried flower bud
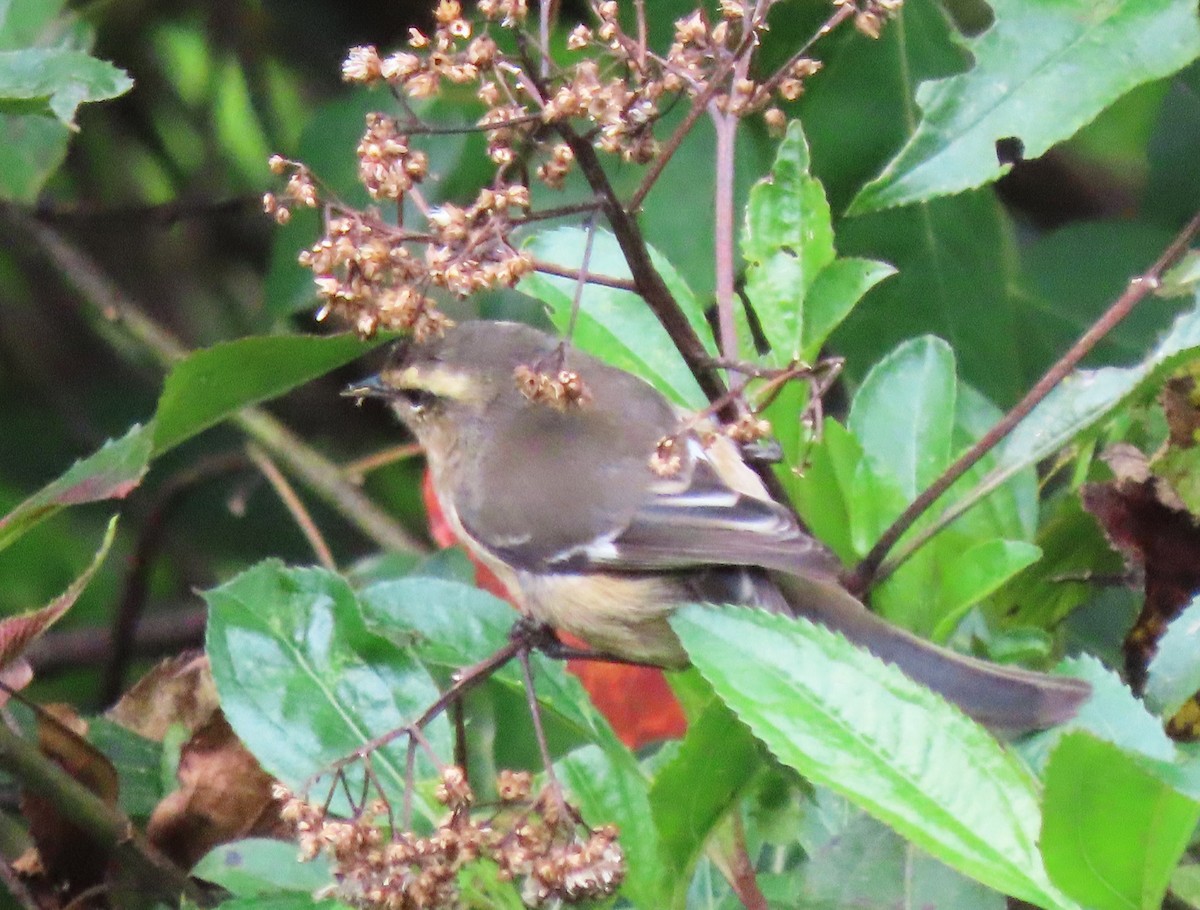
(361, 65)
(579, 38)
(776, 121)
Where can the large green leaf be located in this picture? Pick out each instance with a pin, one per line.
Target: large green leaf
(613, 324)
(451, 625)
(1043, 70)
(850, 722)
(957, 265)
(304, 682)
(258, 867)
(209, 385)
(1113, 829)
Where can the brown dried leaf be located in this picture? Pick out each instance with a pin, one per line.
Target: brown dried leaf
(223, 795)
(180, 690)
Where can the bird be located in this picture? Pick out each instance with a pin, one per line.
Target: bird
(603, 508)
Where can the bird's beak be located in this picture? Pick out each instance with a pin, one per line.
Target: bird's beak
(371, 387)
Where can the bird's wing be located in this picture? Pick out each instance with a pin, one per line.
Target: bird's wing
(704, 522)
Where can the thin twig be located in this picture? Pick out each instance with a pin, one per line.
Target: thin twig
(840, 15)
(726, 125)
(535, 714)
(868, 571)
(562, 211)
(357, 470)
(608, 281)
(157, 635)
(294, 504)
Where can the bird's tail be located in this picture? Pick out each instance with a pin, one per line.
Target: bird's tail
(1003, 698)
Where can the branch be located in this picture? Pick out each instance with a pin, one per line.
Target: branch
(867, 572)
(646, 280)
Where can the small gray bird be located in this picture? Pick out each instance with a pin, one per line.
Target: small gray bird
(602, 531)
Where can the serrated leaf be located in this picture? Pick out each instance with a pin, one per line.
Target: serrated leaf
(452, 625)
(209, 385)
(869, 865)
(304, 683)
(1173, 676)
(109, 473)
(848, 721)
(1042, 71)
(798, 289)
(616, 325)
(58, 79)
(1086, 397)
(1112, 714)
(1113, 830)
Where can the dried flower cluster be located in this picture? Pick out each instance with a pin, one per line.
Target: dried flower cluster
(375, 272)
(560, 389)
(536, 842)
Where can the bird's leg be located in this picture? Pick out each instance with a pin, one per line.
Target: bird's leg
(545, 640)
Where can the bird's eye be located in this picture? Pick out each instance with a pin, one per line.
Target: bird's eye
(420, 400)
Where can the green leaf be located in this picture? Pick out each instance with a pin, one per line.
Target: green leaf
(302, 680)
(1113, 830)
(1086, 397)
(58, 79)
(109, 473)
(859, 726)
(138, 762)
(975, 574)
(209, 385)
(1174, 673)
(821, 492)
(903, 414)
(788, 245)
(717, 758)
(869, 865)
(1042, 71)
(31, 149)
(616, 325)
(258, 867)
(957, 265)
(1112, 714)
